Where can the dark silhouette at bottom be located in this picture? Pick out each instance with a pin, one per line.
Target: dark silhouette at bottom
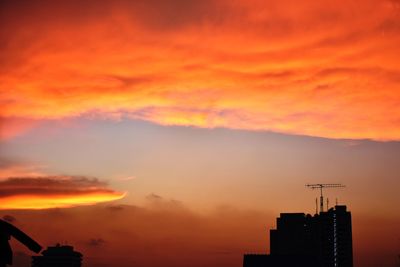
(58, 256)
(263, 260)
(322, 240)
(7, 231)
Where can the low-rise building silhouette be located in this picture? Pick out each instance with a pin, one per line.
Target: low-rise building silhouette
(58, 256)
(322, 240)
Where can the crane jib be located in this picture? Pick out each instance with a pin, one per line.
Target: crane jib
(20, 236)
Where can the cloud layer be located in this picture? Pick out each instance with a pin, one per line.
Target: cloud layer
(310, 67)
(53, 192)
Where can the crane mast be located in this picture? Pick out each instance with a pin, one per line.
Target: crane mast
(320, 187)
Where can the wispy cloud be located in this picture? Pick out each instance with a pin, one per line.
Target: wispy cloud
(313, 68)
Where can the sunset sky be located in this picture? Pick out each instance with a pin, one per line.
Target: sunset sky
(174, 132)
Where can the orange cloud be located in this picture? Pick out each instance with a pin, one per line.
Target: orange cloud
(53, 192)
(311, 67)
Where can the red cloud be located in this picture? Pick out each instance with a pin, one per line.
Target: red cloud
(313, 68)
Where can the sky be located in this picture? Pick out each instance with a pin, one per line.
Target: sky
(174, 132)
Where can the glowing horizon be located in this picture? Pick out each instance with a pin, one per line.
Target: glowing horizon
(40, 202)
(47, 192)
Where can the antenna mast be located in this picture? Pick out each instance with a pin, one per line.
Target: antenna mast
(320, 187)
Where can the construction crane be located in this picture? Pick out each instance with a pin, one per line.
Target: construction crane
(320, 187)
(8, 230)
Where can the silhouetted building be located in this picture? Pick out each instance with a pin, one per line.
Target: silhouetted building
(58, 256)
(261, 260)
(322, 240)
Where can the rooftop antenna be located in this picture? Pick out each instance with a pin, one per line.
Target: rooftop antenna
(320, 187)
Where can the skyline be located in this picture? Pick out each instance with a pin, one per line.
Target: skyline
(210, 115)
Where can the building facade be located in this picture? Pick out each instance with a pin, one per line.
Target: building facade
(322, 240)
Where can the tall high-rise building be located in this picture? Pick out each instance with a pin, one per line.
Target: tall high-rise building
(322, 240)
(58, 256)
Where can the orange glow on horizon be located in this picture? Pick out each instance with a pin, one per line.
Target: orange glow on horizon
(38, 202)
